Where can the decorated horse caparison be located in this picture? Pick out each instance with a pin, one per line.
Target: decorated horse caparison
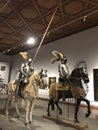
(29, 94)
(73, 89)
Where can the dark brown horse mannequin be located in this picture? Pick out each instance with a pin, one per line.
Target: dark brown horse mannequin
(73, 89)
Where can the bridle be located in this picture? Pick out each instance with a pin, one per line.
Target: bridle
(87, 87)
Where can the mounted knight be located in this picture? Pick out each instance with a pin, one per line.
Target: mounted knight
(25, 71)
(62, 68)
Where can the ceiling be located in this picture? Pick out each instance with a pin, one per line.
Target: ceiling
(21, 19)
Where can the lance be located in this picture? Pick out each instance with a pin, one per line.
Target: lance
(44, 35)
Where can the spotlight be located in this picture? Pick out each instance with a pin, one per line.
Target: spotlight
(30, 40)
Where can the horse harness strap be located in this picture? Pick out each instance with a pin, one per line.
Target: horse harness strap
(75, 78)
(34, 84)
(62, 87)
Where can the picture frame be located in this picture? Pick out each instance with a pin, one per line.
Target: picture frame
(95, 77)
(52, 80)
(3, 68)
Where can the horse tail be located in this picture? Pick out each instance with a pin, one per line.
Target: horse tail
(52, 94)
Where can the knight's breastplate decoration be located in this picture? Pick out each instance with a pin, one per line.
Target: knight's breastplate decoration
(27, 72)
(63, 71)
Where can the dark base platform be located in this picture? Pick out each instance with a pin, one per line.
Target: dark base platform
(68, 123)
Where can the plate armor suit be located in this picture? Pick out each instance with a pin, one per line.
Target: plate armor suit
(25, 71)
(62, 67)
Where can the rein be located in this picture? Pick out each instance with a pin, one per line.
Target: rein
(87, 89)
(74, 78)
(34, 84)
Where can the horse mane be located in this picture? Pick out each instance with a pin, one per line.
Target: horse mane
(75, 72)
(34, 76)
(30, 88)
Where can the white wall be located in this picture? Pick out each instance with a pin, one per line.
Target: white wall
(79, 47)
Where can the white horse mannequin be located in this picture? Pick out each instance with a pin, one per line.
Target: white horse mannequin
(29, 93)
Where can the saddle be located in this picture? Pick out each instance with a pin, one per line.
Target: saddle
(77, 92)
(62, 86)
(20, 88)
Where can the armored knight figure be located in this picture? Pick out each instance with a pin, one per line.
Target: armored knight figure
(26, 70)
(62, 67)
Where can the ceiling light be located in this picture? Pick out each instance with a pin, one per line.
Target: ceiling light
(30, 41)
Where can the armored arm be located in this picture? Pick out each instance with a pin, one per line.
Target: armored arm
(31, 70)
(22, 69)
(59, 70)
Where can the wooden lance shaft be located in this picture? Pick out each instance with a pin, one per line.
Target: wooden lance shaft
(44, 36)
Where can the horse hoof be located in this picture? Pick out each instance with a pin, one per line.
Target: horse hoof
(8, 118)
(26, 123)
(30, 122)
(48, 114)
(87, 114)
(77, 121)
(60, 112)
(17, 116)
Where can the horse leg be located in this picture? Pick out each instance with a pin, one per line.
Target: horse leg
(31, 110)
(27, 111)
(52, 104)
(16, 107)
(76, 120)
(7, 108)
(58, 107)
(88, 107)
(49, 104)
(8, 103)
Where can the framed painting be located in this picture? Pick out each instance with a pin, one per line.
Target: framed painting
(95, 76)
(52, 80)
(3, 68)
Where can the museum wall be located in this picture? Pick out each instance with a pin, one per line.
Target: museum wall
(82, 46)
(6, 58)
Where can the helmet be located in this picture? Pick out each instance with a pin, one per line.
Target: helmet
(29, 61)
(57, 56)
